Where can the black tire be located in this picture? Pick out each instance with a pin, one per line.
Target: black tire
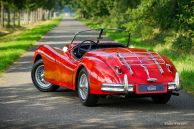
(90, 99)
(40, 84)
(161, 99)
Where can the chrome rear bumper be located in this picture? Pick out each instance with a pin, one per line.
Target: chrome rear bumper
(117, 88)
(121, 88)
(125, 87)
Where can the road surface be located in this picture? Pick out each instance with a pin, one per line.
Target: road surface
(23, 106)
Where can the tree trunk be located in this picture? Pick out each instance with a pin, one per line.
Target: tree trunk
(39, 11)
(40, 14)
(19, 14)
(174, 8)
(8, 17)
(49, 14)
(43, 15)
(2, 14)
(14, 14)
(28, 17)
(36, 15)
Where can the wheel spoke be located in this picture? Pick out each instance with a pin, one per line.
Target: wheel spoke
(83, 86)
(39, 75)
(84, 89)
(85, 82)
(82, 82)
(80, 85)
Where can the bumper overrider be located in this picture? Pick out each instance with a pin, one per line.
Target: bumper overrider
(175, 85)
(127, 88)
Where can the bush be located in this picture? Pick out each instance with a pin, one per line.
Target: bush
(183, 43)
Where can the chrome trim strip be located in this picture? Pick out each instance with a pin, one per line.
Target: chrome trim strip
(112, 85)
(141, 59)
(146, 70)
(156, 62)
(142, 65)
(112, 89)
(125, 62)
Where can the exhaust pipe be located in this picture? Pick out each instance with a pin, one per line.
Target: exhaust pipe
(175, 93)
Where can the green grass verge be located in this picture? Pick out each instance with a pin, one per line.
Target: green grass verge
(183, 62)
(15, 44)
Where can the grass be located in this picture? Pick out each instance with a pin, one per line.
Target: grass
(183, 62)
(14, 44)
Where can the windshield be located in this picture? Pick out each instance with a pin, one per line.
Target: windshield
(102, 35)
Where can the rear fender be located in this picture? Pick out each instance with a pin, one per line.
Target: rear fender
(98, 72)
(169, 62)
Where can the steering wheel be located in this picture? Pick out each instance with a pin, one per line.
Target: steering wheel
(89, 43)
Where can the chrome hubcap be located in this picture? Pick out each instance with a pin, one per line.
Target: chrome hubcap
(83, 86)
(39, 75)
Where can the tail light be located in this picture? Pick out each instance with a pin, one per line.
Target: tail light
(169, 68)
(118, 70)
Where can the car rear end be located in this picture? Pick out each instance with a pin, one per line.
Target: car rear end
(142, 72)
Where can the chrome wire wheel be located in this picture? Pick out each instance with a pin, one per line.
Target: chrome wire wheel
(83, 86)
(39, 75)
(83, 89)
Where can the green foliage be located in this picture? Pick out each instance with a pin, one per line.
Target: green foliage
(183, 43)
(140, 17)
(185, 18)
(187, 83)
(32, 4)
(13, 45)
(146, 19)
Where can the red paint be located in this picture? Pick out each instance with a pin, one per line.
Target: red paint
(61, 68)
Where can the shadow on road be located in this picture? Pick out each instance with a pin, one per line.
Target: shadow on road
(25, 98)
(27, 94)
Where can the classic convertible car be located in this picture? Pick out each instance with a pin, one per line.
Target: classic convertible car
(95, 66)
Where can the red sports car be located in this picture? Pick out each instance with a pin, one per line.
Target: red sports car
(95, 66)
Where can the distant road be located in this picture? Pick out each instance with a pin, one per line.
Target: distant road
(23, 106)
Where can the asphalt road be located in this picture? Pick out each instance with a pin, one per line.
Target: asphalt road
(23, 106)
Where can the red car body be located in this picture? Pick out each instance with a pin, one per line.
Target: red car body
(112, 70)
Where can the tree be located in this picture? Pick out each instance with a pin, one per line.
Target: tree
(29, 10)
(2, 13)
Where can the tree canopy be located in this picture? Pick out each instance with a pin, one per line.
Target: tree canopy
(143, 18)
(29, 10)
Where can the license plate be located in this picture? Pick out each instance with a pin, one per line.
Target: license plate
(150, 88)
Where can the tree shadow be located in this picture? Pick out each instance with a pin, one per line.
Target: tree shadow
(23, 106)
